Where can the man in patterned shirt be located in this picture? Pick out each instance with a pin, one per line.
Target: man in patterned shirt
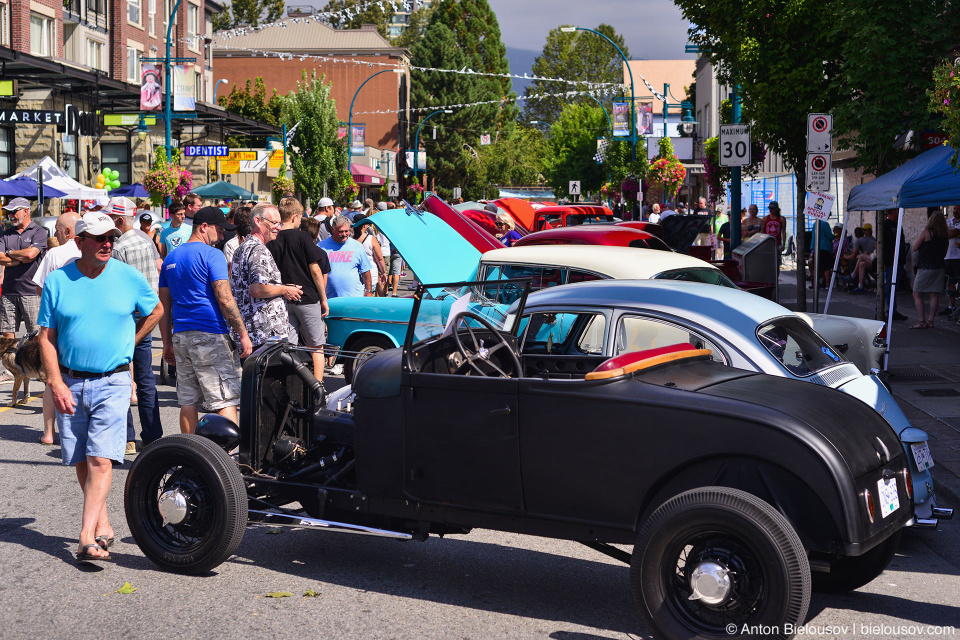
(135, 248)
(257, 284)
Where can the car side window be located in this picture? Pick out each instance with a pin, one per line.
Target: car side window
(567, 333)
(638, 333)
(575, 275)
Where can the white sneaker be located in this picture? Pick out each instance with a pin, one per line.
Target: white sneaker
(336, 370)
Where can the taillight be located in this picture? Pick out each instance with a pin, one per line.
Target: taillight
(880, 340)
(871, 510)
(908, 481)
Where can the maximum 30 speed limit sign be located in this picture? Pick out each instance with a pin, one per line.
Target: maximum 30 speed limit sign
(734, 145)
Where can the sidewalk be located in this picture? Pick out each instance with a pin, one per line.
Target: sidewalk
(924, 368)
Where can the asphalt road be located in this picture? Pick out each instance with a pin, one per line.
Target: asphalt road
(485, 585)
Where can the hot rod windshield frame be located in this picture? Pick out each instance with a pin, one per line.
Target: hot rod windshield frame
(429, 316)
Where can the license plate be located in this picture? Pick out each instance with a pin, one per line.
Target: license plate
(889, 500)
(921, 453)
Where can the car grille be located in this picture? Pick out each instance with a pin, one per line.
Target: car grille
(835, 376)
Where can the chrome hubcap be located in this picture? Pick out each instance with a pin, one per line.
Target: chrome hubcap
(710, 583)
(173, 507)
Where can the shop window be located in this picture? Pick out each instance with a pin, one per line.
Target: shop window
(70, 160)
(42, 35)
(116, 156)
(7, 163)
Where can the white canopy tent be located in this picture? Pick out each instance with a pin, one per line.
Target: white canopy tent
(57, 178)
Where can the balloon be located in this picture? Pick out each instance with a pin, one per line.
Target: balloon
(110, 175)
(115, 184)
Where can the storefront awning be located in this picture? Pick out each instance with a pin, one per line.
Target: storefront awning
(364, 175)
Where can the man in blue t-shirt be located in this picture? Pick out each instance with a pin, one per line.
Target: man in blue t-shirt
(199, 311)
(87, 337)
(349, 265)
(177, 233)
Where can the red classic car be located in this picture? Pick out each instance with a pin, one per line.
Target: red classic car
(571, 215)
(522, 212)
(639, 225)
(602, 234)
(463, 223)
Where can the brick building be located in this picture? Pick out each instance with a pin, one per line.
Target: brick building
(84, 57)
(345, 58)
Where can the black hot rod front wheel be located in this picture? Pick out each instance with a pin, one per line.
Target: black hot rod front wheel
(186, 504)
(717, 562)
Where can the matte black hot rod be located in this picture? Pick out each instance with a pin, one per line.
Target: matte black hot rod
(731, 486)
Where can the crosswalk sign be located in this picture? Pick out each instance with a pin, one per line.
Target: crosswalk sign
(393, 190)
(574, 187)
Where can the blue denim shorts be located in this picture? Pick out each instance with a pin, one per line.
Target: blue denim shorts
(98, 426)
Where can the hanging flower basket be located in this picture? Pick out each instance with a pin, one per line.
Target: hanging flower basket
(282, 185)
(166, 178)
(415, 191)
(945, 100)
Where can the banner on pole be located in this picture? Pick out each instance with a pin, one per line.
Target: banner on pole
(645, 119)
(357, 143)
(183, 88)
(151, 89)
(621, 119)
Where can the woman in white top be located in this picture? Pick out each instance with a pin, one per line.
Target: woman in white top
(366, 235)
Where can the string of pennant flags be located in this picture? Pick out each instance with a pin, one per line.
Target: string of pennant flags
(536, 96)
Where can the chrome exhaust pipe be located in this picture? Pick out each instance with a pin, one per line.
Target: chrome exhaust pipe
(942, 514)
(289, 520)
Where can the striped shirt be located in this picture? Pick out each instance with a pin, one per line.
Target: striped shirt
(136, 249)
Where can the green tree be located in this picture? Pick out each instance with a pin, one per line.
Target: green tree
(571, 147)
(248, 12)
(416, 27)
(450, 163)
(352, 14)
(318, 157)
(513, 160)
(784, 58)
(618, 163)
(573, 56)
(252, 102)
(886, 71)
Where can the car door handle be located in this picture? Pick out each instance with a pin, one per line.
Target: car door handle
(501, 412)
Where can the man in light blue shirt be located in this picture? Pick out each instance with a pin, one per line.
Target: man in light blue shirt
(177, 233)
(87, 338)
(349, 265)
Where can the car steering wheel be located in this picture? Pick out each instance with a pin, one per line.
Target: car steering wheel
(478, 352)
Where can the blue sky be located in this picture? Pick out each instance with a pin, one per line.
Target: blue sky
(654, 29)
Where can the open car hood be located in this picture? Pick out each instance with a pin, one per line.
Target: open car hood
(434, 251)
(679, 231)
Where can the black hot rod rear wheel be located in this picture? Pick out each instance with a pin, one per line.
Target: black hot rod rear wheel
(366, 347)
(186, 504)
(738, 557)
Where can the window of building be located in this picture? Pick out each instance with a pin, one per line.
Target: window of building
(95, 55)
(4, 27)
(133, 11)
(70, 160)
(193, 25)
(133, 65)
(7, 163)
(42, 35)
(117, 157)
(152, 16)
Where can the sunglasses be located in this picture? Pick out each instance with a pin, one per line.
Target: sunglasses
(501, 224)
(103, 237)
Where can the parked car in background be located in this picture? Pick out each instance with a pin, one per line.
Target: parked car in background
(597, 234)
(480, 236)
(571, 215)
(610, 318)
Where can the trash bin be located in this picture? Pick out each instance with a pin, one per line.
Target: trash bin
(757, 260)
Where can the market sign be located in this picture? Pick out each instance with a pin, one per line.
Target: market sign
(71, 120)
(195, 150)
(126, 120)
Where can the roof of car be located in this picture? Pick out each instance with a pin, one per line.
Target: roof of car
(613, 262)
(708, 304)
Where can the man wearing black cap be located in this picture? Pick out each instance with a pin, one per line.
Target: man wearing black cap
(199, 311)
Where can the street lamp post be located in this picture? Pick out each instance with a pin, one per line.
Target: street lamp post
(350, 114)
(416, 140)
(166, 84)
(215, 87)
(633, 99)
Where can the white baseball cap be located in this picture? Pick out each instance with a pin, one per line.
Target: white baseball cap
(325, 202)
(96, 223)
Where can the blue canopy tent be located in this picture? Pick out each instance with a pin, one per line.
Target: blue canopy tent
(134, 190)
(929, 180)
(27, 188)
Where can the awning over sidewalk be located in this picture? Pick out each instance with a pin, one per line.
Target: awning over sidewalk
(364, 175)
(929, 180)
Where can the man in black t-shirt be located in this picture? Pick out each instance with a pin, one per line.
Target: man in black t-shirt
(303, 263)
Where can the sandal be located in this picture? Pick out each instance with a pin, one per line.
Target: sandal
(919, 325)
(83, 556)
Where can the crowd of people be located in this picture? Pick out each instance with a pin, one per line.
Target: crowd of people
(219, 285)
